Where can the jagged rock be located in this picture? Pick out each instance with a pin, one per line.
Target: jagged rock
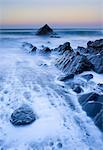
(82, 50)
(87, 76)
(74, 64)
(22, 116)
(29, 47)
(97, 62)
(45, 30)
(96, 45)
(63, 48)
(66, 77)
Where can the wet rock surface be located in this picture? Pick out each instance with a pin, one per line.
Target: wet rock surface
(82, 59)
(78, 61)
(45, 30)
(87, 76)
(24, 115)
(92, 103)
(29, 47)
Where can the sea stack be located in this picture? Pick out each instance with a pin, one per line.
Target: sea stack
(45, 30)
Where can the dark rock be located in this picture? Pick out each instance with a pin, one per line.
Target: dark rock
(97, 62)
(92, 109)
(29, 47)
(82, 50)
(46, 49)
(23, 116)
(100, 86)
(66, 77)
(74, 64)
(83, 99)
(98, 120)
(59, 145)
(65, 47)
(97, 45)
(45, 30)
(92, 103)
(34, 49)
(87, 76)
(77, 89)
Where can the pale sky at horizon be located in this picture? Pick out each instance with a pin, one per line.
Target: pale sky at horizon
(54, 12)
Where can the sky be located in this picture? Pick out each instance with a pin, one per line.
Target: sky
(58, 13)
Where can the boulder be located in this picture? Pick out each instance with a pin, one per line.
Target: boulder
(66, 77)
(77, 89)
(45, 30)
(87, 76)
(97, 62)
(24, 115)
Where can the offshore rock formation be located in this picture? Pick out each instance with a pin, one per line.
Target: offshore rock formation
(45, 30)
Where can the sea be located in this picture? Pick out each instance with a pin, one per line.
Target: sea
(32, 79)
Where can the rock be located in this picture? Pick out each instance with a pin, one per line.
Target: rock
(92, 103)
(98, 120)
(92, 109)
(29, 47)
(45, 30)
(100, 86)
(87, 76)
(66, 77)
(82, 50)
(65, 47)
(24, 115)
(46, 49)
(96, 45)
(77, 89)
(97, 62)
(83, 99)
(34, 49)
(74, 64)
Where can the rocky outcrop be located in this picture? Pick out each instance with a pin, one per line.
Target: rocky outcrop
(82, 59)
(97, 62)
(92, 103)
(45, 30)
(65, 48)
(72, 63)
(95, 46)
(24, 115)
(29, 47)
